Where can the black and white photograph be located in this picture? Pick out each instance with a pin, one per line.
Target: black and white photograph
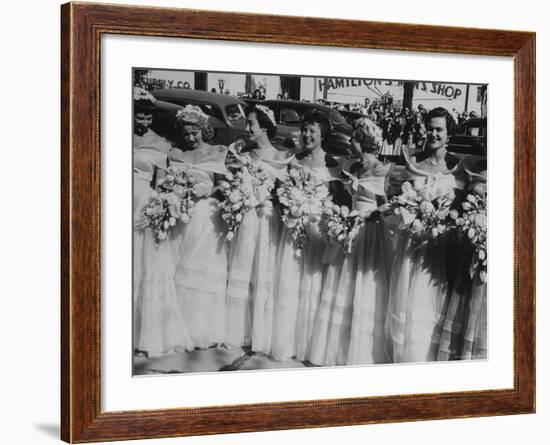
(287, 221)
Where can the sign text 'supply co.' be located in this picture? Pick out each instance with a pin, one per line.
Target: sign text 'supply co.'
(166, 83)
(442, 89)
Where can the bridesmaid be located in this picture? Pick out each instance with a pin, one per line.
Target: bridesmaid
(158, 326)
(299, 279)
(349, 324)
(250, 289)
(419, 284)
(464, 334)
(201, 257)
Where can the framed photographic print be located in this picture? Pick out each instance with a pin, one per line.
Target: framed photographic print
(285, 222)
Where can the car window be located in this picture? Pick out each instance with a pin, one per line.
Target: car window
(473, 131)
(234, 112)
(462, 130)
(288, 116)
(212, 110)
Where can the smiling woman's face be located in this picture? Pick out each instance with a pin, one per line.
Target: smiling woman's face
(192, 136)
(142, 122)
(253, 128)
(311, 134)
(436, 130)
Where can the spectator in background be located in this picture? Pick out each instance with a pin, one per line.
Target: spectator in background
(423, 112)
(419, 131)
(462, 118)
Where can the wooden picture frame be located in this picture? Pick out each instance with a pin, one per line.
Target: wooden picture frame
(82, 419)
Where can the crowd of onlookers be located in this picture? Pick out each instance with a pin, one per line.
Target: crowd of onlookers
(400, 126)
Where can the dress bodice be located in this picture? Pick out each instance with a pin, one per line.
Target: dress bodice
(146, 160)
(367, 185)
(275, 168)
(201, 163)
(152, 141)
(443, 180)
(321, 169)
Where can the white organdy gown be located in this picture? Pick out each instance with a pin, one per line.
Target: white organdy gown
(464, 330)
(200, 252)
(158, 325)
(299, 282)
(251, 268)
(419, 289)
(349, 324)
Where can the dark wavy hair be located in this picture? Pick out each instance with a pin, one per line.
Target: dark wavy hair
(317, 117)
(264, 121)
(144, 106)
(442, 112)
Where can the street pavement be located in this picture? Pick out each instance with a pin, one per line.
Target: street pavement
(210, 360)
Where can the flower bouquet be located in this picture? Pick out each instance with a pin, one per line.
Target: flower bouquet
(262, 185)
(170, 203)
(473, 223)
(183, 186)
(239, 199)
(340, 225)
(249, 187)
(425, 207)
(301, 203)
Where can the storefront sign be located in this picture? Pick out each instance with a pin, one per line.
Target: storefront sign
(441, 89)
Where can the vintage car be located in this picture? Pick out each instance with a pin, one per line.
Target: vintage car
(470, 138)
(351, 116)
(226, 114)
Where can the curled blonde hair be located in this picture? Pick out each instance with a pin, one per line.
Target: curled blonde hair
(192, 115)
(143, 94)
(368, 134)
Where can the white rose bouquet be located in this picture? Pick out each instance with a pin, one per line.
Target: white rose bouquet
(171, 203)
(424, 207)
(183, 186)
(340, 225)
(301, 204)
(247, 188)
(473, 223)
(262, 185)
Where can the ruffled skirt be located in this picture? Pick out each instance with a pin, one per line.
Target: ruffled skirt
(418, 299)
(201, 274)
(250, 288)
(240, 269)
(349, 324)
(263, 284)
(159, 327)
(464, 330)
(298, 293)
